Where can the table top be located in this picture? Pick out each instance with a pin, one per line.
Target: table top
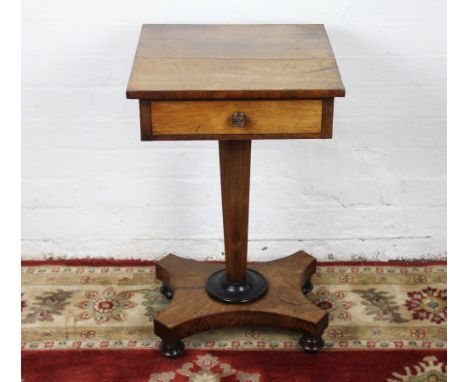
(234, 61)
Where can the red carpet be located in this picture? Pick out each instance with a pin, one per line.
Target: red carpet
(388, 323)
(245, 366)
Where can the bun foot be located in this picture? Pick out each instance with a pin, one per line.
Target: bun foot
(172, 349)
(166, 292)
(307, 287)
(311, 344)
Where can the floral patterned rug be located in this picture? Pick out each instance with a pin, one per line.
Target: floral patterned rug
(396, 312)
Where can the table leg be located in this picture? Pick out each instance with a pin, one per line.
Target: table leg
(236, 283)
(235, 294)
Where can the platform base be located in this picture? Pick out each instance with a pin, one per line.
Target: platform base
(283, 305)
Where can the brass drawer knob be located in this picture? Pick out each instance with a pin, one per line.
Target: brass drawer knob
(238, 119)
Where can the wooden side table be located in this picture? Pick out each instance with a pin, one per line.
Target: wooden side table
(235, 83)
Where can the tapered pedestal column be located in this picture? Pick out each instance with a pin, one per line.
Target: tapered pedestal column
(236, 284)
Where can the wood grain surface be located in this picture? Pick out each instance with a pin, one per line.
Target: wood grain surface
(263, 117)
(234, 160)
(234, 61)
(327, 118)
(191, 310)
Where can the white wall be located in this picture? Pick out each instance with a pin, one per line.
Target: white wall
(91, 188)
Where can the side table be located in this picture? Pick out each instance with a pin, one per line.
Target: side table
(234, 84)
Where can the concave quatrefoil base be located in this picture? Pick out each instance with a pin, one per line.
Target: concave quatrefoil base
(192, 310)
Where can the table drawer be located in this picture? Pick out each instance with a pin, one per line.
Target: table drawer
(236, 119)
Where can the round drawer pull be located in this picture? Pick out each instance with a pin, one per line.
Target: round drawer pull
(238, 119)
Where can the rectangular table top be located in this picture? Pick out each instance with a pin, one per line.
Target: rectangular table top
(234, 62)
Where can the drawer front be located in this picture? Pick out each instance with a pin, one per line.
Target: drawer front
(265, 119)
